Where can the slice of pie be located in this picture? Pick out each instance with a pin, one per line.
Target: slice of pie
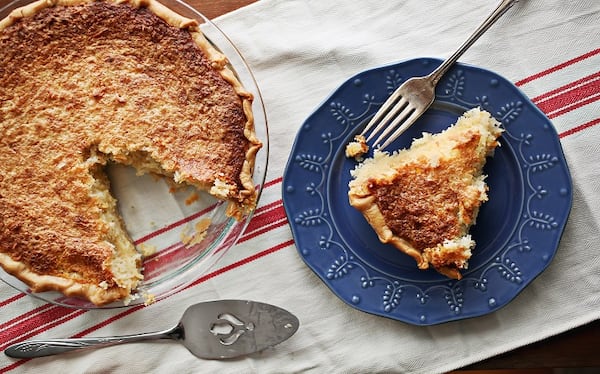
(84, 83)
(424, 199)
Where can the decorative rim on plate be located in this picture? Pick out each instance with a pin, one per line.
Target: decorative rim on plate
(518, 230)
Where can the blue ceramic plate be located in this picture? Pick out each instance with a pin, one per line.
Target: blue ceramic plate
(517, 230)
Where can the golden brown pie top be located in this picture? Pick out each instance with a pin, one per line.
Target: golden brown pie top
(430, 204)
(87, 82)
(423, 200)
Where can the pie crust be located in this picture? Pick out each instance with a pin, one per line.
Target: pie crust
(89, 82)
(423, 200)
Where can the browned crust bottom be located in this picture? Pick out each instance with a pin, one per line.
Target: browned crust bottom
(68, 287)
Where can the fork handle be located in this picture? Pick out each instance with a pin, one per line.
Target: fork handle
(489, 21)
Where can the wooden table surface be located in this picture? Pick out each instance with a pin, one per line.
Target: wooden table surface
(575, 348)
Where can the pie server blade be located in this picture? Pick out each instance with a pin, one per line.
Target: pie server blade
(210, 330)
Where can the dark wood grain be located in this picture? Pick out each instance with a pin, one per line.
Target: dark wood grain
(578, 348)
(215, 8)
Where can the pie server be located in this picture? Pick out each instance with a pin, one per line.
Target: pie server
(211, 330)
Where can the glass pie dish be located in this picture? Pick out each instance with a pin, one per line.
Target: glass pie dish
(163, 221)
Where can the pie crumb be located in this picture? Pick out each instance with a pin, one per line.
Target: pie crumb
(200, 231)
(357, 148)
(147, 249)
(192, 198)
(149, 298)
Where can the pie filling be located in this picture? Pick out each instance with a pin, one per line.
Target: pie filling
(124, 263)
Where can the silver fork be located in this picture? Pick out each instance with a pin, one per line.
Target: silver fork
(409, 101)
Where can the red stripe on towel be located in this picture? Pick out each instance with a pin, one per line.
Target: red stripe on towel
(40, 323)
(571, 96)
(580, 128)
(557, 67)
(11, 299)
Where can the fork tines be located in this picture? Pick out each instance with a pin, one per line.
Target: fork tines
(393, 112)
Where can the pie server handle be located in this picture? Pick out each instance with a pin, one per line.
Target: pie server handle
(49, 347)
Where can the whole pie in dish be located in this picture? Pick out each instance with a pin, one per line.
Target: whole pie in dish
(84, 83)
(423, 200)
